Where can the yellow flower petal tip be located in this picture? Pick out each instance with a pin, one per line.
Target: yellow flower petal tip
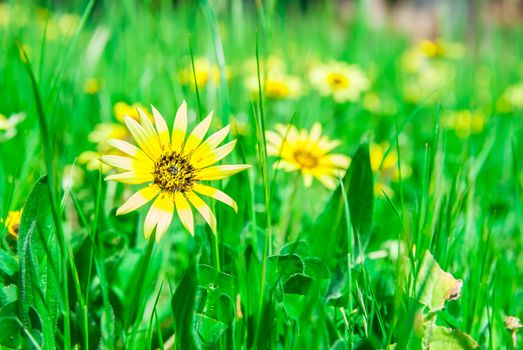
(172, 168)
(307, 152)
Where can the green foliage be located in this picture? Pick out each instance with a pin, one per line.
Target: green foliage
(362, 266)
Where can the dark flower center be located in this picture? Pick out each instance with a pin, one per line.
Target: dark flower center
(174, 173)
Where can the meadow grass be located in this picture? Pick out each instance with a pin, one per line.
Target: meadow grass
(417, 246)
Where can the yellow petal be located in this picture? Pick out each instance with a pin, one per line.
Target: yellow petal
(219, 172)
(138, 199)
(161, 128)
(216, 194)
(179, 128)
(148, 143)
(197, 135)
(211, 142)
(159, 216)
(315, 133)
(184, 212)
(124, 147)
(203, 209)
(130, 177)
(215, 156)
(336, 160)
(307, 180)
(328, 181)
(146, 124)
(118, 162)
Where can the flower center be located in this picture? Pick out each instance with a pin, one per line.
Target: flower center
(277, 89)
(337, 80)
(174, 173)
(306, 159)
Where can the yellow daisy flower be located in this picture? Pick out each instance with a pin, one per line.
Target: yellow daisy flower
(276, 86)
(206, 73)
(12, 223)
(172, 167)
(344, 82)
(307, 152)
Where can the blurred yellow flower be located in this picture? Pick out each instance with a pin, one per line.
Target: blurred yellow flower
(342, 81)
(122, 109)
(511, 99)
(91, 160)
(276, 86)
(8, 125)
(307, 152)
(427, 51)
(385, 166)
(430, 84)
(72, 177)
(92, 86)
(172, 166)
(12, 222)
(205, 71)
(464, 122)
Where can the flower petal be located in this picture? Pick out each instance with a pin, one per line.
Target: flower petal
(148, 143)
(130, 177)
(124, 163)
(179, 128)
(124, 147)
(184, 212)
(161, 128)
(216, 194)
(159, 216)
(203, 209)
(219, 172)
(197, 135)
(215, 156)
(137, 200)
(212, 142)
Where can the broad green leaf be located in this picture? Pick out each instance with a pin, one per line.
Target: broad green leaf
(297, 284)
(281, 267)
(39, 263)
(434, 286)
(209, 330)
(361, 190)
(214, 280)
(8, 294)
(8, 264)
(183, 305)
(328, 235)
(442, 338)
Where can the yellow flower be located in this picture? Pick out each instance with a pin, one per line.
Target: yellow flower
(275, 86)
(464, 122)
(441, 48)
(92, 162)
(12, 223)
(92, 86)
(342, 81)
(385, 166)
(206, 73)
(307, 152)
(172, 167)
(122, 109)
(511, 99)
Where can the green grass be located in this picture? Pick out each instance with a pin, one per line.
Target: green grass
(296, 267)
